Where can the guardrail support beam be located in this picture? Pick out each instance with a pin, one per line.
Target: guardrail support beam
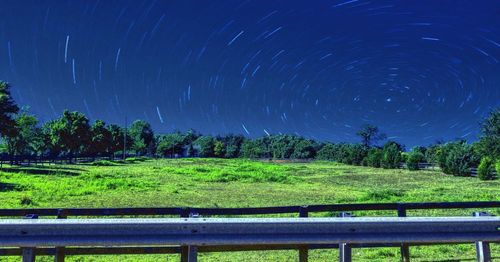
(304, 250)
(28, 254)
(405, 249)
(345, 250)
(483, 253)
(193, 254)
(60, 254)
(345, 253)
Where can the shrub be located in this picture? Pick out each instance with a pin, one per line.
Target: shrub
(497, 167)
(327, 152)
(486, 169)
(374, 157)
(103, 163)
(356, 154)
(26, 200)
(413, 159)
(391, 157)
(251, 149)
(457, 158)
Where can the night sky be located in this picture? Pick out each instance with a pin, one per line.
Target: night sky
(420, 70)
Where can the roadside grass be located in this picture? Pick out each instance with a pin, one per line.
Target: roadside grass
(245, 183)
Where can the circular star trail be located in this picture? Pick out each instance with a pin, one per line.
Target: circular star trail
(420, 70)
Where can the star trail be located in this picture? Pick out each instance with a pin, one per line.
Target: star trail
(420, 70)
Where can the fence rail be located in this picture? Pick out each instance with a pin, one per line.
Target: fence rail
(59, 251)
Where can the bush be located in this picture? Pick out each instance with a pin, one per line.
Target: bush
(486, 169)
(252, 149)
(327, 152)
(413, 159)
(457, 158)
(497, 167)
(391, 155)
(103, 163)
(374, 157)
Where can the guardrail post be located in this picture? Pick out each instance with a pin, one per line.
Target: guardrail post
(405, 249)
(483, 253)
(29, 252)
(188, 253)
(345, 250)
(303, 250)
(193, 254)
(185, 249)
(60, 254)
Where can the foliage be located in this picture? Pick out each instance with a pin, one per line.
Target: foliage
(26, 138)
(8, 109)
(415, 157)
(304, 149)
(219, 149)
(205, 146)
(142, 137)
(232, 145)
(391, 155)
(170, 145)
(457, 158)
(489, 143)
(327, 152)
(486, 169)
(252, 149)
(370, 135)
(101, 143)
(70, 133)
(117, 135)
(374, 157)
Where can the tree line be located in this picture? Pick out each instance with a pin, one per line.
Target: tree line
(74, 135)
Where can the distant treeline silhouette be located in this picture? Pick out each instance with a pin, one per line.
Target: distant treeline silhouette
(72, 136)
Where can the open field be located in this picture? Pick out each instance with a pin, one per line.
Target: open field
(244, 183)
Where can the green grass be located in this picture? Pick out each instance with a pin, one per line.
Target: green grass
(244, 183)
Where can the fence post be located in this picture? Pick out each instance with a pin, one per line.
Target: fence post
(60, 255)
(483, 253)
(345, 250)
(405, 249)
(303, 250)
(29, 252)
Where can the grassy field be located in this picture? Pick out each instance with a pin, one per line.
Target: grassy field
(244, 183)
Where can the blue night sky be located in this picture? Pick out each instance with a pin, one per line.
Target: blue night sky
(420, 70)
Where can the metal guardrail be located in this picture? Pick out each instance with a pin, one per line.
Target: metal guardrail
(303, 211)
(194, 232)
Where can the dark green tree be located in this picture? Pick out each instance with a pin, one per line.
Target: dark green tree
(486, 169)
(170, 145)
(23, 141)
(489, 142)
(374, 157)
(117, 134)
(219, 149)
(327, 152)
(8, 109)
(142, 137)
(414, 158)
(304, 149)
(101, 139)
(70, 133)
(370, 135)
(205, 145)
(457, 158)
(391, 155)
